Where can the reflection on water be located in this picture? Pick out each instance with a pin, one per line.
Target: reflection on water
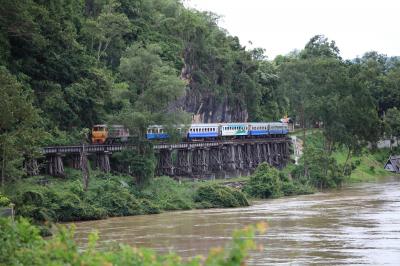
(359, 224)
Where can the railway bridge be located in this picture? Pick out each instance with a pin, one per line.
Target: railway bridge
(219, 158)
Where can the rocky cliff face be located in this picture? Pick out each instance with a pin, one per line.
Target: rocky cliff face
(205, 106)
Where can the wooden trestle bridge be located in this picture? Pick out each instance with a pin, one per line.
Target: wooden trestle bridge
(188, 159)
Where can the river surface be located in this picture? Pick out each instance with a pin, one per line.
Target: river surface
(359, 224)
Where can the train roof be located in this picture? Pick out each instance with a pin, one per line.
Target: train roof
(235, 123)
(205, 125)
(259, 123)
(277, 123)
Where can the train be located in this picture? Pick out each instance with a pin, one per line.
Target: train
(104, 134)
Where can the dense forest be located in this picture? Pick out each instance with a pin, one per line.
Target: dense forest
(68, 64)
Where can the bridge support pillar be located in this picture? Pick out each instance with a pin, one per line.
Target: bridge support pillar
(184, 162)
(55, 166)
(31, 167)
(229, 157)
(239, 157)
(103, 162)
(264, 152)
(76, 161)
(275, 154)
(201, 161)
(165, 164)
(248, 157)
(216, 161)
(269, 153)
(257, 153)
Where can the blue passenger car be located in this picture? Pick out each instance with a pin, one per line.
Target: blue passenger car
(278, 128)
(156, 132)
(203, 131)
(258, 129)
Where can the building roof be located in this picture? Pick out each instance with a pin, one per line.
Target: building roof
(394, 161)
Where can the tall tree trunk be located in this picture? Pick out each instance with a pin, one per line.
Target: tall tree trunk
(3, 167)
(84, 168)
(347, 159)
(303, 121)
(99, 51)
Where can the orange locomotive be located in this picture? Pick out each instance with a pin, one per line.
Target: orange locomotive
(104, 134)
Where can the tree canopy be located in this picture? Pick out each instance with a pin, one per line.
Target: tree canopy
(66, 65)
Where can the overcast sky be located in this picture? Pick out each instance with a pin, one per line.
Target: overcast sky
(281, 26)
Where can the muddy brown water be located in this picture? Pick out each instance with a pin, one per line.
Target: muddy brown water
(359, 224)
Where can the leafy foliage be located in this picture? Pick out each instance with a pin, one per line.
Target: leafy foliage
(141, 166)
(219, 196)
(264, 183)
(22, 245)
(109, 195)
(4, 201)
(268, 182)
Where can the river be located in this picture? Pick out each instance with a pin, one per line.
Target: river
(359, 224)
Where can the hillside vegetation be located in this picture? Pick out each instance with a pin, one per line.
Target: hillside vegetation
(66, 65)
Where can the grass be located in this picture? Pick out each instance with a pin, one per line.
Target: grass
(369, 165)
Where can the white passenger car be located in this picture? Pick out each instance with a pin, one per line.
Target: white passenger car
(234, 129)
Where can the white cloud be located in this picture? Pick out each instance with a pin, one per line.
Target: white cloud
(280, 26)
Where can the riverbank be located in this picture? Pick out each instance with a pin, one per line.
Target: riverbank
(47, 199)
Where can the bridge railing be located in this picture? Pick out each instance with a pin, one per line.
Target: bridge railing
(96, 148)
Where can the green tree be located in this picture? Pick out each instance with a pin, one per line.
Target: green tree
(264, 183)
(392, 123)
(108, 27)
(19, 126)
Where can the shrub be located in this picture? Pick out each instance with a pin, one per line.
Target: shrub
(114, 198)
(219, 196)
(168, 194)
(149, 207)
(4, 201)
(22, 245)
(372, 168)
(264, 183)
(295, 188)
